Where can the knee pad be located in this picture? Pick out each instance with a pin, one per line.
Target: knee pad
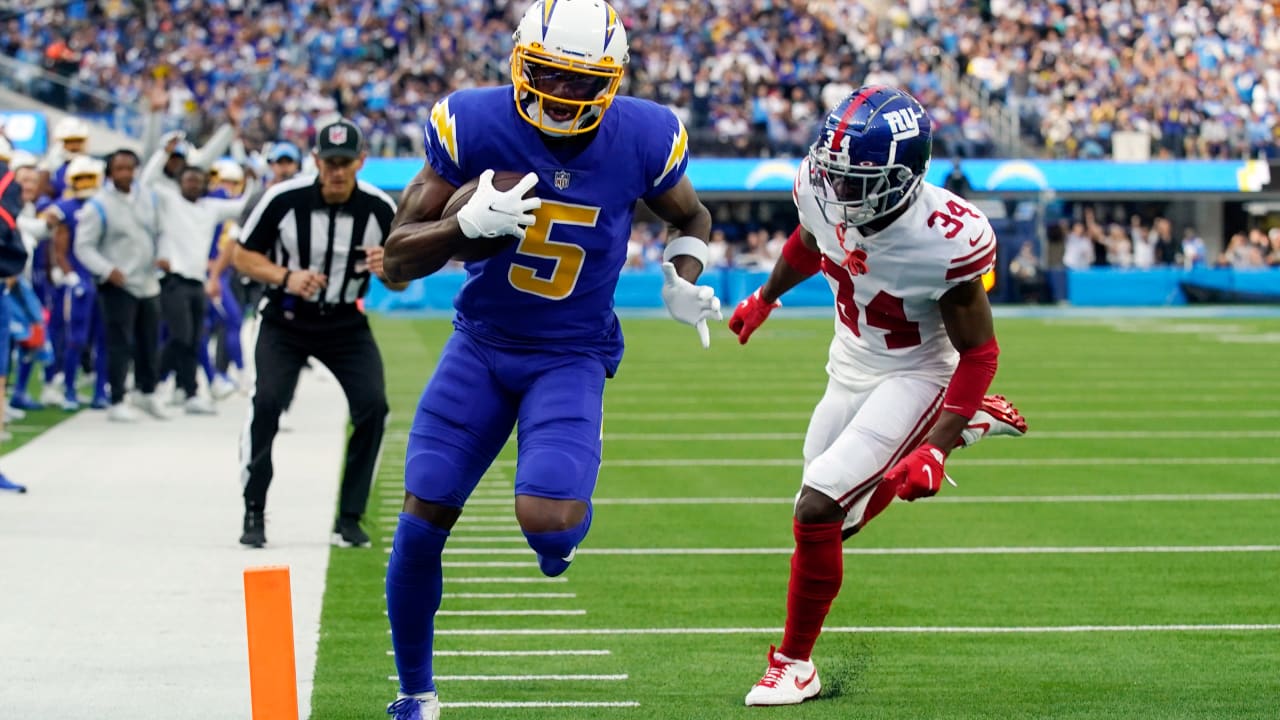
(560, 474)
(556, 549)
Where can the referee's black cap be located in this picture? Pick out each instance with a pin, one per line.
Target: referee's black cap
(340, 138)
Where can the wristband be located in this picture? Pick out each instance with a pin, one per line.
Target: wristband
(284, 283)
(687, 245)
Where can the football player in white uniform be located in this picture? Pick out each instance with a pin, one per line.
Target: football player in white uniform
(913, 355)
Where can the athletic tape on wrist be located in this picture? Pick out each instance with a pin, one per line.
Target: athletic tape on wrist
(687, 245)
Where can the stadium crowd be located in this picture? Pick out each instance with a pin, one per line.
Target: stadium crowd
(1198, 78)
(748, 77)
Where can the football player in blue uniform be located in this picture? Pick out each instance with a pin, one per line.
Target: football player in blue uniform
(535, 332)
(75, 297)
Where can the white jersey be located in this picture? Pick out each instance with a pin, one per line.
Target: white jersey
(887, 318)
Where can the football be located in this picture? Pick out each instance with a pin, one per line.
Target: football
(472, 249)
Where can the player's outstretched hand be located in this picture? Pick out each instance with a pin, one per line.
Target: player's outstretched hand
(492, 213)
(749, 315)
(919, 474)
(690, 304)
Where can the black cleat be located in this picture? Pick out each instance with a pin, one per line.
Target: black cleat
(347, 533)
(255, 529)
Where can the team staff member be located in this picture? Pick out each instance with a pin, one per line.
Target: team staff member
(116, 234)
(326, 233)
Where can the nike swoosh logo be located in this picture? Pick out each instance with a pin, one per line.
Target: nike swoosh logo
(569, 557)
(929, 471)
(974, 242)
(802, 684)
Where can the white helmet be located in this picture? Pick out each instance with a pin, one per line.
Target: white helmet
(23, 159)
(84, 176)
(567, 64)
(71, 128)
(228, 171)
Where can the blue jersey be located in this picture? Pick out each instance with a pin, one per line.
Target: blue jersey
(65, 210)
(58, 181)
(554, 290)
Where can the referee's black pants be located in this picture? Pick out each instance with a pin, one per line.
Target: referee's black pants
(344, 343)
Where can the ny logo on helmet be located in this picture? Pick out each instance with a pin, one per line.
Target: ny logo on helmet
(903, 123)
(338, 134)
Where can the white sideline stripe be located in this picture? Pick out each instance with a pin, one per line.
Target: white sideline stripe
(455, 539)
(503, 580)
(509, 596)
(514, 653)
(1038, 550)
(509, 613)
(809, 398)
(1045, 435)
(905, 629)
(1037, 414)
(542, 704)
(495, 564)
(514, 678)
(961, 499)
(987, 462)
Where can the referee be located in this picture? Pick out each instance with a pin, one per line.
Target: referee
(327, 231)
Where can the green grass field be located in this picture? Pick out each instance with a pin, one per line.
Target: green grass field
(1114, 563)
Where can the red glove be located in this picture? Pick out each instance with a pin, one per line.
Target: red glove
(919, 474)
(749, 315)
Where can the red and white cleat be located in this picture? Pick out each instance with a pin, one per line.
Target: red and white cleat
(998, 416)
(786, 682)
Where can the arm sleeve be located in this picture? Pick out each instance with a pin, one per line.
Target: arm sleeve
(89, 232)
(153, 176)
(217, 145)
(443, 152)
(668, 156)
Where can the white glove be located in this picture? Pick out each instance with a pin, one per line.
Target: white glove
(69, 280)
(690, 304)
(492, 213)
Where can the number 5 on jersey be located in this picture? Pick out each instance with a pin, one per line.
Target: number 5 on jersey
(568, 257)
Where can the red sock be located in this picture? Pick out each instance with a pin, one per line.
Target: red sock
(884, 494)
(817, 567)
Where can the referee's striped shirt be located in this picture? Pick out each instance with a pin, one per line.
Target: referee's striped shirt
(293, 220)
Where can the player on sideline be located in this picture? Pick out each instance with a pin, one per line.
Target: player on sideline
(913, 355)
(535, 332)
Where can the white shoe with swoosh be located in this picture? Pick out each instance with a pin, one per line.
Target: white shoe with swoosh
(785, 682)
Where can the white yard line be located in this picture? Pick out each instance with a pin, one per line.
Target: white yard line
(505, 580)
(516, 653)
(1034, 415)
(905, 629)
(494, 564)
(509, 613)
(1032, 550)
(1037, 435)
(510, 596)
(542, 704)
(951, 499)
(958, 461)
(527, 678)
